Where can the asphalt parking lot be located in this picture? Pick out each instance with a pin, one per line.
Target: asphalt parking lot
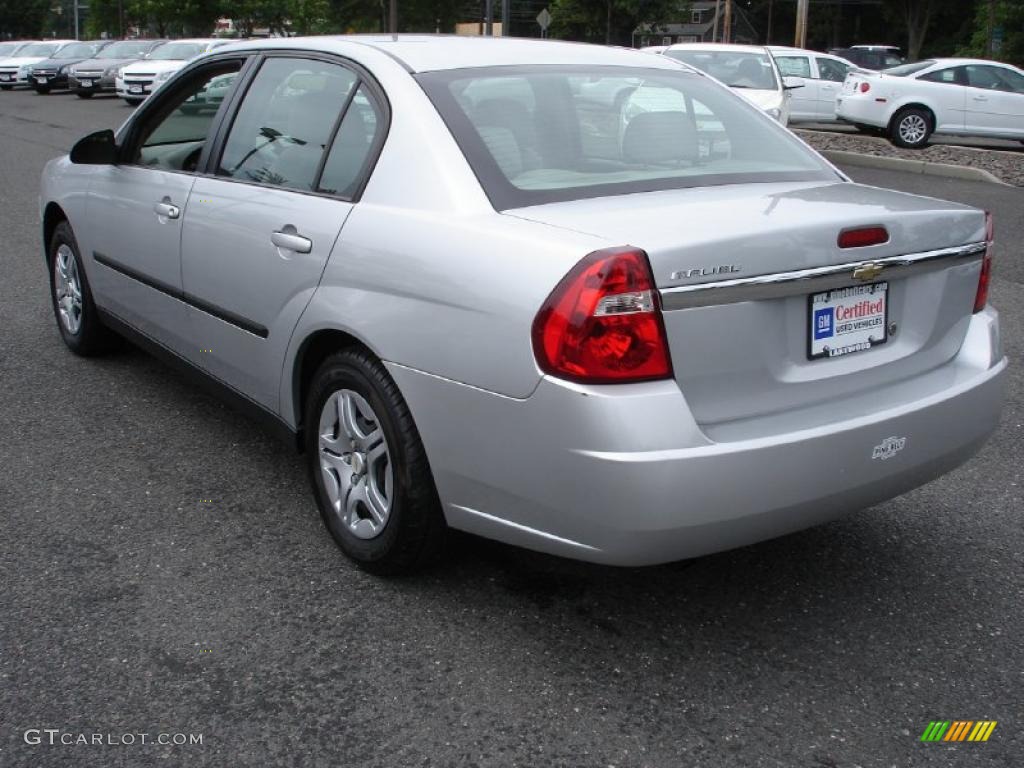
(164, 570)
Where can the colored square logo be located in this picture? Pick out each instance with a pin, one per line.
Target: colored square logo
(824, 323)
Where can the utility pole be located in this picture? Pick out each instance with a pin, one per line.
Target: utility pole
(768, 36)
(727, 31)
(506, 21)
(714, 33)
(393, 17)
(76, 18)
(489, 18)
(801, 23)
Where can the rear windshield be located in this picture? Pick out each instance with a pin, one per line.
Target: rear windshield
(177, 51)
(908, 69)
(535, 135)
(737, 69)
(126, 49)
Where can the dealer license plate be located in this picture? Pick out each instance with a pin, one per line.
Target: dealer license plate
(41, 80)
(6, 78)
(85, 83)
(134, 89)
(847, 320)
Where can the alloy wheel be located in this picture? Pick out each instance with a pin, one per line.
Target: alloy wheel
(913, 129)
(67, 288)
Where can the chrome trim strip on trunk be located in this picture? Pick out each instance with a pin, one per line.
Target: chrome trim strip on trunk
(782, 284)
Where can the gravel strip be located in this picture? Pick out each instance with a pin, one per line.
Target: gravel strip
(1008, 166)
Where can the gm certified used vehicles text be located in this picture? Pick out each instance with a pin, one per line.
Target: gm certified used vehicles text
(955, 97)
(54, 72)
(476, 297)
(97, 75)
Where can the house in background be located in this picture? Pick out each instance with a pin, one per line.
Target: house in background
(704, 25)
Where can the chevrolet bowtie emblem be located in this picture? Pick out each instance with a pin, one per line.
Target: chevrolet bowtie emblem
(867, 271)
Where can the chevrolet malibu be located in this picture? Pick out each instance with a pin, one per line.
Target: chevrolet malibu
(477, 298)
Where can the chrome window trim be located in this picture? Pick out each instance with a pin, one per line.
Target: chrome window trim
(803, 281)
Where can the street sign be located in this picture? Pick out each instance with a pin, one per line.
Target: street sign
(544, 20)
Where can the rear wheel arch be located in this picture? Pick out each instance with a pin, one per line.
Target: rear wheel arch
(314, 349)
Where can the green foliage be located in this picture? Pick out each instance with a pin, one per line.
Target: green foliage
(23, 18)
(610, 21)
(1008, 18)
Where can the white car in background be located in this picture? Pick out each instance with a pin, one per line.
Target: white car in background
(748, 69)
(822, 74)
(14, 71)
(136, 81)
(956, 97)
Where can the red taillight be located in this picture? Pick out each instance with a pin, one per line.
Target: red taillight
(981, 297)
(602, 323)
(865, 87)
(861, 237)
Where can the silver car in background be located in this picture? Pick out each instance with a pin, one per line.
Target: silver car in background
(579, 299)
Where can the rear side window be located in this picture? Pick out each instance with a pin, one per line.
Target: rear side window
(830, 69)
(285, 122)
(794, 66)
(589, 132)
(352, 146)
(950, 76)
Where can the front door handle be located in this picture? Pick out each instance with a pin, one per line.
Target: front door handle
(167, 209)
(980, 98)
(291, 241)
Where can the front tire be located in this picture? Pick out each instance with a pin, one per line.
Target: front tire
(83, 94)
(368, 467)
(73, 306)
(911, 128)
(6, 87)
(42, 91)
(133, 102)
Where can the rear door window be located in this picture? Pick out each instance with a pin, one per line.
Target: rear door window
(285, 122)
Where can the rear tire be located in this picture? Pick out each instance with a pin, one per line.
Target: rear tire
(869, 130)
(133, 102)
(911, 128)
(84, 94)
(77, 319)
(6, 87)
(368, 467)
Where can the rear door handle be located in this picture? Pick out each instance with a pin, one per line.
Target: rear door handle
(291, 241)
(167, 209)
(981, 98)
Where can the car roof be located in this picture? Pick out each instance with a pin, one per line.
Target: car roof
(717, 47)
(956, 62)
(426, 53)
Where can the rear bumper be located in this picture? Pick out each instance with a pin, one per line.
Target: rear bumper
(858, 109)
(624, 476)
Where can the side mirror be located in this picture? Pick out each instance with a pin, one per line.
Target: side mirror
(95, 149)
(790, 83)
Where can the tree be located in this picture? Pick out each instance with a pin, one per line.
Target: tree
(610, 21)
(23, 18)
(998, 32)
(917, 16)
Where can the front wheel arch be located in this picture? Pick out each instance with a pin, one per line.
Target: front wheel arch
(52, 216)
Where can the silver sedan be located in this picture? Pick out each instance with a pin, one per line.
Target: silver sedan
(579, 299)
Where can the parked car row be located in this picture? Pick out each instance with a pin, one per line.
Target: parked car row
(130, 68)
(909, 103)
